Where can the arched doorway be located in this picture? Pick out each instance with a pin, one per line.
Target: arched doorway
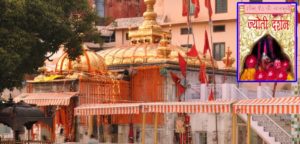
(267, 62)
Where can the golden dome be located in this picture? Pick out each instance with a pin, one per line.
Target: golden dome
(148, 54)
(89, 61)
(149, 45)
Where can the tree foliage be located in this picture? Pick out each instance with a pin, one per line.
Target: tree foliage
(29, 29)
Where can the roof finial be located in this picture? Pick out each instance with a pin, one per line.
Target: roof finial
(150, 29)
(150, 16)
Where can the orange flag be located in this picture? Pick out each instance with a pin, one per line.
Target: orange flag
(208, 6)
(182, 64)
(211, 96)
(192, 52)
(180, 88)
(197, 7)
(202, 73)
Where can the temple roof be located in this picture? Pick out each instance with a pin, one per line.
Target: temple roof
(89, 61)
(149, 44)
(148, 54)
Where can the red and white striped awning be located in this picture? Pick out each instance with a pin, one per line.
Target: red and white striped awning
(46, 99)
(155, 107)
(282, 105)
(188, 107)
(107, 109)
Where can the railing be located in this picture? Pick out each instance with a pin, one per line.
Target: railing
(283, 93)
(194, 91)
(235, 92)
(9, 141)
(278, 126)
(266, 93)
(238, 94)
(217, 93)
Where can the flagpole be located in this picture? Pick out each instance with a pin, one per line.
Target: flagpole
(188, 41)
(187, 58)
(210, 22)
(189, 25)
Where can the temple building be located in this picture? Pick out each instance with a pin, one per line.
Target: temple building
(136, 91)
(151, 57)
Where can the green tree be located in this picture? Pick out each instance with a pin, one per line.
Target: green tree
(29, 29)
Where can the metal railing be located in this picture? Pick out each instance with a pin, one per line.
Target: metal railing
(238, 94)
(278, 126)
(11, 141)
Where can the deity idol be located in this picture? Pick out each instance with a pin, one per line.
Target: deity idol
(267, 64)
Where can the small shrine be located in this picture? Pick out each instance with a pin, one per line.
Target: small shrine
(76, 82)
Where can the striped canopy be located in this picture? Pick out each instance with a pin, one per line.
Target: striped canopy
(107, 109)
(188, 107)
(46, 99)
(282, 105)
(155, 107)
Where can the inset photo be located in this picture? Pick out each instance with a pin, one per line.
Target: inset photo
(266, 42)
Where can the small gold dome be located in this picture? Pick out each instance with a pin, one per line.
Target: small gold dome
(89, 61)
(147, 53)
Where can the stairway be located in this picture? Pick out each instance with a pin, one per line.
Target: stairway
(273, 130)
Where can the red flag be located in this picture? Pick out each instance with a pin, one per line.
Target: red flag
(197, 7)
(208, 6)
(211, 96)
(130, 134)
(206, 44)
(180, 89)
(182, 64)
(192, 52)
(184, 7)
(202, 73)
(176, 80)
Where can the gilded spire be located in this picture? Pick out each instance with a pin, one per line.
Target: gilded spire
(150, 31)
(150, 16)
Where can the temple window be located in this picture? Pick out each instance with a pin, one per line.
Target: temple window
(186, 45)
(184, 31)
(219, 28)
(219, 50)
(221, 6)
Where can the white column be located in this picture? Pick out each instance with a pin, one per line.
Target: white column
(203, 92)
(226, 89)
(259, 91)
(232, 91)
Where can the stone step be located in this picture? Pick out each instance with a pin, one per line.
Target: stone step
(268, 126)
